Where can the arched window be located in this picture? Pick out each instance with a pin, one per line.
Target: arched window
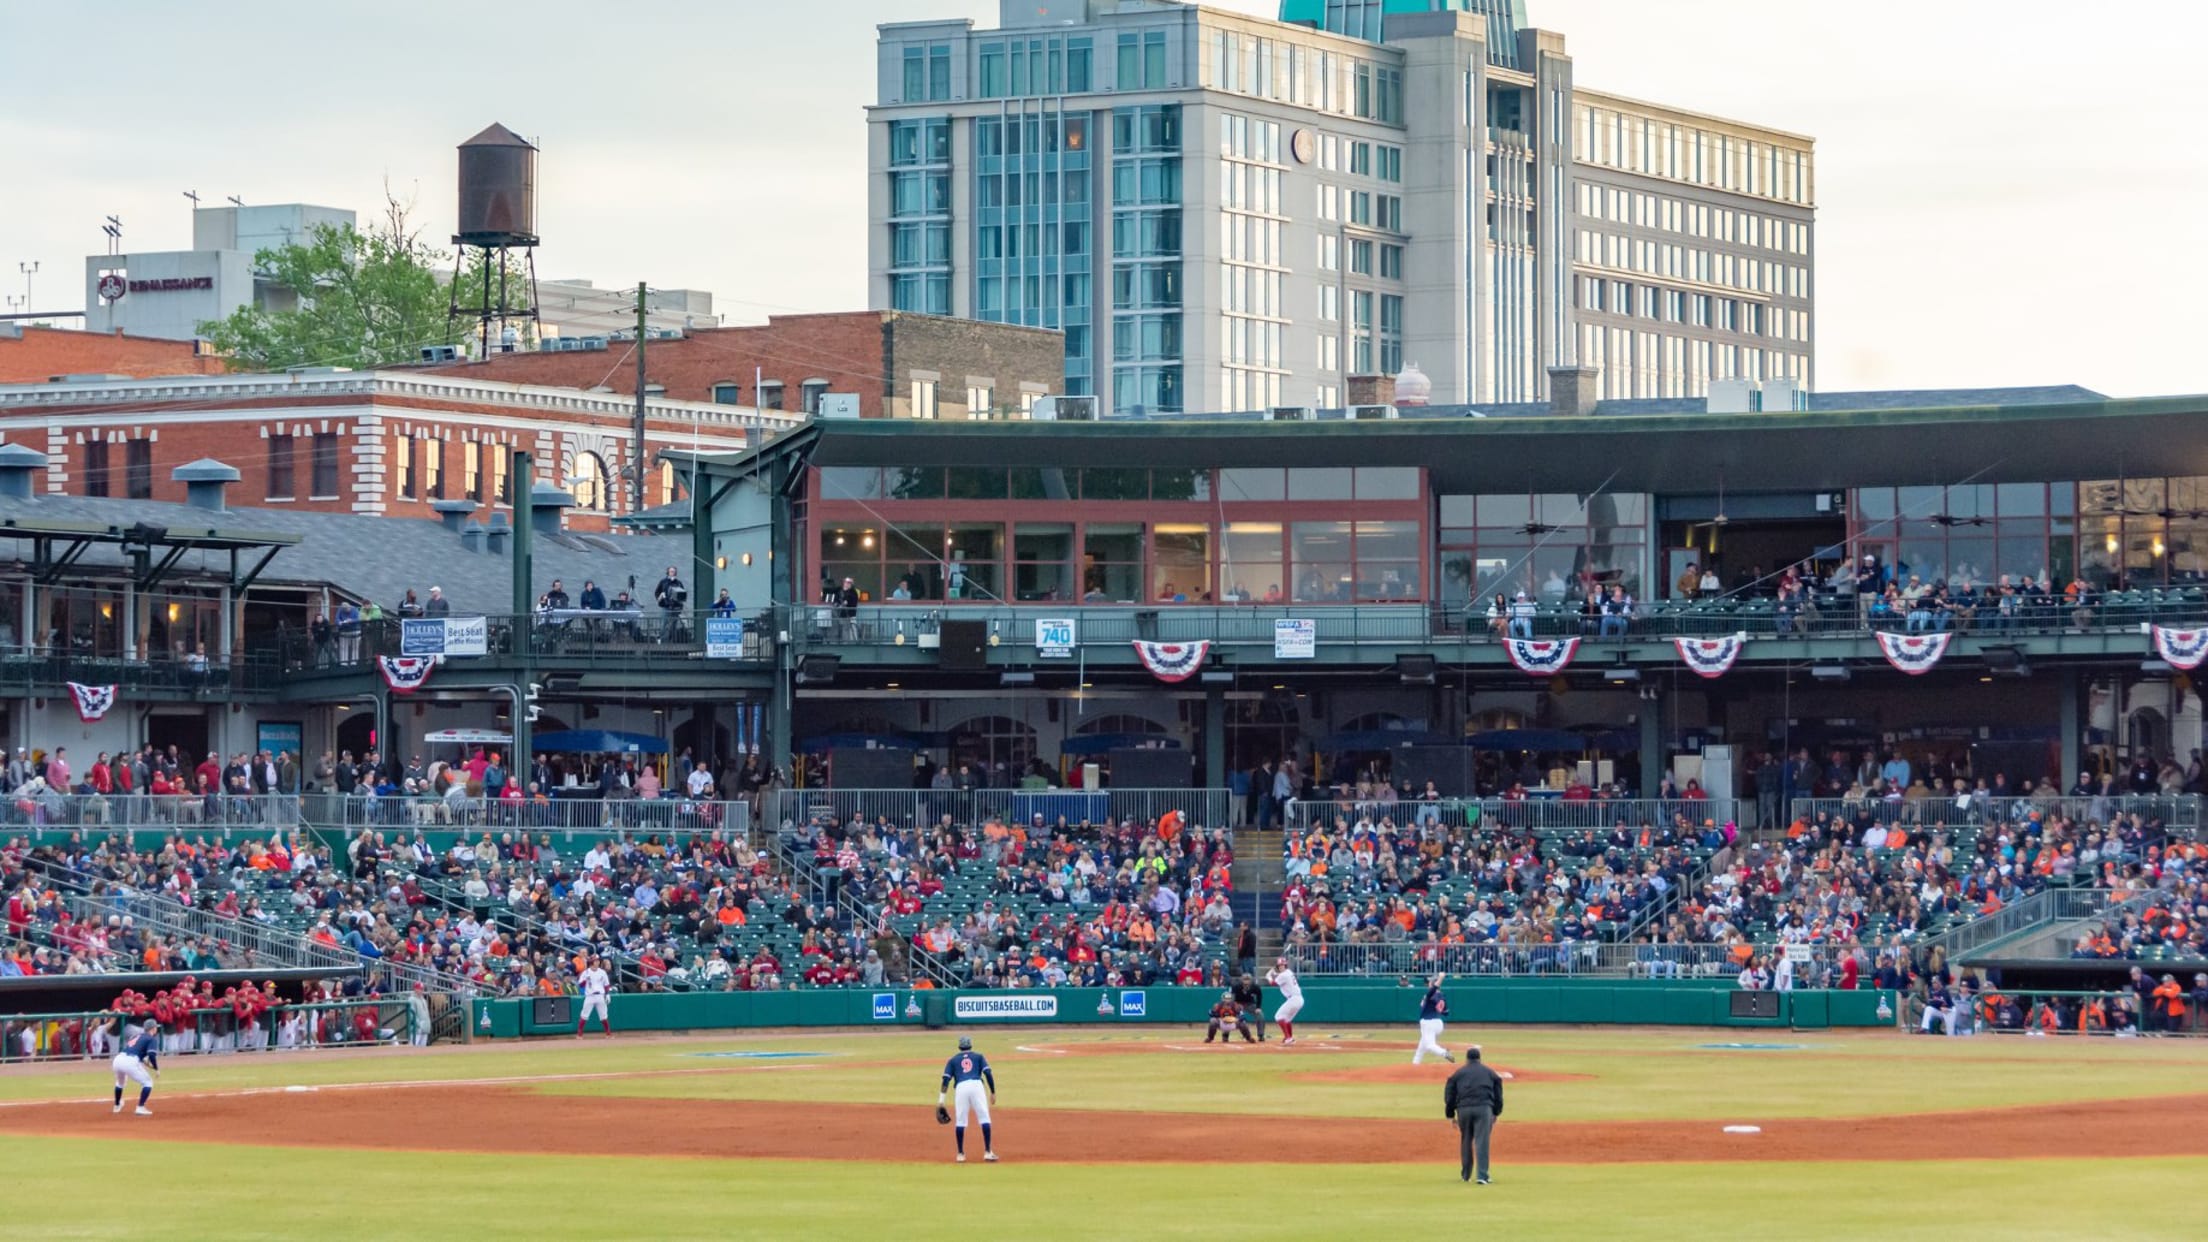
(590, 481)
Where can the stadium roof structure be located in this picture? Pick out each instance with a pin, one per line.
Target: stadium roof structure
(1769, 451)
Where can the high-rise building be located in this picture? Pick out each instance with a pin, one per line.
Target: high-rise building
(1228, 213)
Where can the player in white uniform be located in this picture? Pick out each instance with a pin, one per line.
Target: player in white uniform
(1291, 1000)
(595, 986)
(1433, 1011)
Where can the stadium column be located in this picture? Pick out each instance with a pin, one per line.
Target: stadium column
(1215, 737)
(1652, 739)
(2073, 742)
(778, 747)
(525, 606)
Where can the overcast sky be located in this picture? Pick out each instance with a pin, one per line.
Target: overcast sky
(2009, 191)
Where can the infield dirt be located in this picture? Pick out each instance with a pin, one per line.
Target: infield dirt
(519, 1120)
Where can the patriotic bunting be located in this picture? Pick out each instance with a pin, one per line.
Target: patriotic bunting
(1540, 657)
(1914, 654)
(2184, 649)
(1172, 661)
(1711, 657)
(405, 674)
(92, 701)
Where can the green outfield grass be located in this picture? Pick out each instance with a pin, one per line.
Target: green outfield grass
(1629, 1076)
(245, 1193)
(100, 1188)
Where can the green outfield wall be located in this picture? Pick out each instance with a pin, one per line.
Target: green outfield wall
(1474, 1002)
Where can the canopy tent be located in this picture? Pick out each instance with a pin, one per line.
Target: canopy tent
(598, 742)
(467, 737)
(1105, 743)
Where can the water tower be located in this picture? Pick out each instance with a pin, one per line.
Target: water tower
(498, 215)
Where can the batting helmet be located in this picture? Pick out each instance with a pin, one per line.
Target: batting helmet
(965, 1044)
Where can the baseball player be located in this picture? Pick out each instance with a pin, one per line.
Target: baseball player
(1252, 999)
(1433, 1009)
(970, 1071)
(1291, 1000)
(141, 1052)
(595, 985)
(1226, 1019)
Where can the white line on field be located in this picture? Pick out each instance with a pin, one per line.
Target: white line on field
(405, 1083)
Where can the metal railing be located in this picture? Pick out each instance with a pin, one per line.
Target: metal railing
(615, 637)
(92, 1035)
(24, 670)
(2040, 909)
(1116, 623)
(345, 814)
(261, 944)
(1537, 814)
(1816, 964)
(1210, 809)
(568, 816)
(2176, 812)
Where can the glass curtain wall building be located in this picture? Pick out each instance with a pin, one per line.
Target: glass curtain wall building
(1361, 185)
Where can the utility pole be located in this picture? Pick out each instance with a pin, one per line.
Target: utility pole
(636, 455)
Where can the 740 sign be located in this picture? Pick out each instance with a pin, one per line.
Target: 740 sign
(1055, 638)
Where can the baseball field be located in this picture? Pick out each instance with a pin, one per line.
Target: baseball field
(1607, 1132)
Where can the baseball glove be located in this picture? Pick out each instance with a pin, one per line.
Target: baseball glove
(942, 1115)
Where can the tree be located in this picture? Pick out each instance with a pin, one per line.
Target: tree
(357, 299)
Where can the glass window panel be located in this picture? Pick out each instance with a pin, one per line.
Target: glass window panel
(1387, 482)
(866, 576)
(1181, 563)
(914, 483)
(2022, 554)
(851, 482)
(973, 552)
(1043, 556)
(1253, 484)
(1180, 484)
(1458, 510)
(1320, 483)
(1321, 561)
(1391, 541)
(2021, 499)
(1250, 563)
(2062, 498)
(1505, 510)
(1111, 562)
(1874, 504)
(1113, 483)
(1034, 483)
(913, 559)
(974, 483)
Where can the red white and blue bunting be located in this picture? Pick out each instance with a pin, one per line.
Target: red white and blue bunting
(405, 674)
(1172, 661)
(93, 702)
(1914, 654)
(1711, 657)
(1540, 657)
(2182, 649)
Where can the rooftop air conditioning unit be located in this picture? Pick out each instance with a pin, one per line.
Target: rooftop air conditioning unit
(1374, 411)
(1289, 414)
(590, 342)
(838, 405)
(441, 353)
(1064, 409)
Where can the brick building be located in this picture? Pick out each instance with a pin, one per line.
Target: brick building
(898, 365)
(374, 442)
(34, 355)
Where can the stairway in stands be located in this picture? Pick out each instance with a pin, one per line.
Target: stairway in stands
(1258, 873)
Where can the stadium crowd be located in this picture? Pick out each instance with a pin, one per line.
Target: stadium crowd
(1042, 904)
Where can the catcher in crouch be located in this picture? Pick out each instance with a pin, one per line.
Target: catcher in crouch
(1226, 1019)
(970, 1071)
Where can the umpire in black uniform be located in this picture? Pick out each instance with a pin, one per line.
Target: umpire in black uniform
(1473, 1098)
(1247, 995)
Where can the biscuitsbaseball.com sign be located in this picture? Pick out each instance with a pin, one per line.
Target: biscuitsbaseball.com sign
(993, 1008)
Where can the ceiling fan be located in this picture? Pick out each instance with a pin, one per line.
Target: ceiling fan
(1534, 525)
(1718, 519)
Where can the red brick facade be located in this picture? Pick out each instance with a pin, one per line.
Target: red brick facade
(384, 442)
(36, 355)
(873, 354)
